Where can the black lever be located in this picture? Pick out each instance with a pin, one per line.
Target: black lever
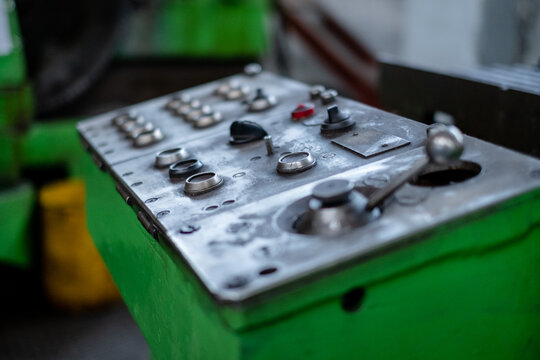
(245, 131)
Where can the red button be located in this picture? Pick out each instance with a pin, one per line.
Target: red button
(303, 111)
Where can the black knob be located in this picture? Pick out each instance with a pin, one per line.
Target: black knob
(262, 101)
(337, 121)
(243, 132)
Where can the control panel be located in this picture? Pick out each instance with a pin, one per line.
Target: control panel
(259, 182)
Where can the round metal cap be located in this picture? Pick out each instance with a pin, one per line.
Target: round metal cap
(333, 191)
(328, 96)
(202, 182)
(167, 157)
(316, 91)
(237, 93)
(207, 120)
(185, 109)
(224, 88)
(197, 113)
(183, 168)
(148, 138)
(252, 69)
(176, 102)
(122, 118)
(130, 123)
(134, 131)
(444, 145)
(295, 162)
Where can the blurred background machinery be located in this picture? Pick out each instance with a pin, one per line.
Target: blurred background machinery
(62, 60)
(59, 61)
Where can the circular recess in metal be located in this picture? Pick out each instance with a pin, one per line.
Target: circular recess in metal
(167, 157)
(237, 93)
(202, 182)
(435, 175)
(184, 168)
(207, 120)
(262, 101)
(122, 118)
(135, 130)
(295, 162)
(328, 96)
(148, 138)
(252, 69)
(333, 208)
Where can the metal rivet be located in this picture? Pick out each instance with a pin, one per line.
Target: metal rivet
(136, 183)
(240, 174)
(255, 158)
(211, 208)
(328, 155)
(151, 200)
(228, 202)
(127, 173)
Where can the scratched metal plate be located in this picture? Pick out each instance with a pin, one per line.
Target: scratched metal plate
(369, 142)
(238, 238)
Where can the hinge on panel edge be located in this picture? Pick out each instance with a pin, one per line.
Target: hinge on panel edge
(95, 158)
(144, 219)
(123, 193)
(148, 224)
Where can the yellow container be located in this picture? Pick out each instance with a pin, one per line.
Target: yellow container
(75, 276)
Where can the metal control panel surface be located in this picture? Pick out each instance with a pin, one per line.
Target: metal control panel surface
(237, 237)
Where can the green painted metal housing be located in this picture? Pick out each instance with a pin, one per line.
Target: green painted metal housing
(466, 290)
(16, 206)
(198, 28)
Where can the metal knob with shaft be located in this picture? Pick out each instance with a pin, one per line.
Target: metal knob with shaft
(444, 145)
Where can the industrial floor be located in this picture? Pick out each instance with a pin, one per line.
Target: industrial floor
(41, 333)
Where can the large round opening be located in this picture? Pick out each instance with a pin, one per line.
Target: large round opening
(444, 175)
